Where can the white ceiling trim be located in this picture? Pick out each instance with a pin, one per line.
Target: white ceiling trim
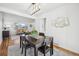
(5, 10)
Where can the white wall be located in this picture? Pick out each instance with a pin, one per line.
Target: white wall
(10, 19)
(0, 27)
(67, 37)
(39, 24)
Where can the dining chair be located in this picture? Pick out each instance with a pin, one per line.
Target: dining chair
(23, 34)
(33, 44)
(45, 48)
(25, 44)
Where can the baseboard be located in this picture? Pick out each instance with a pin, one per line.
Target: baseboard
(66, 51)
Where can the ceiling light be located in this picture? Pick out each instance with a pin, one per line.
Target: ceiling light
(33, 8)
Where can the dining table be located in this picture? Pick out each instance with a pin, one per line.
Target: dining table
(37, 42)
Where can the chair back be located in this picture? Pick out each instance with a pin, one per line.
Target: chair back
(41, 34)
(24, 40)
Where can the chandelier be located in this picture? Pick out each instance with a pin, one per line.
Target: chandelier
(33, 8)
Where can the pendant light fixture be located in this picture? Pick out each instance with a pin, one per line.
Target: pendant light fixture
(33, 8)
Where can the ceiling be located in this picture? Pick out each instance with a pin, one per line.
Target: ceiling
(20, 7)
(23, 7)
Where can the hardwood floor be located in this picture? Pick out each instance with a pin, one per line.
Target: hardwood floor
(4, 46)
(7, 42)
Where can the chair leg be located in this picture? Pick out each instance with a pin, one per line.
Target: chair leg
(20, 42)
(44, 54)
(51, 45)
(25, 51)
(50, 52)
(22, 51)
(35, 51)
(44, 48)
